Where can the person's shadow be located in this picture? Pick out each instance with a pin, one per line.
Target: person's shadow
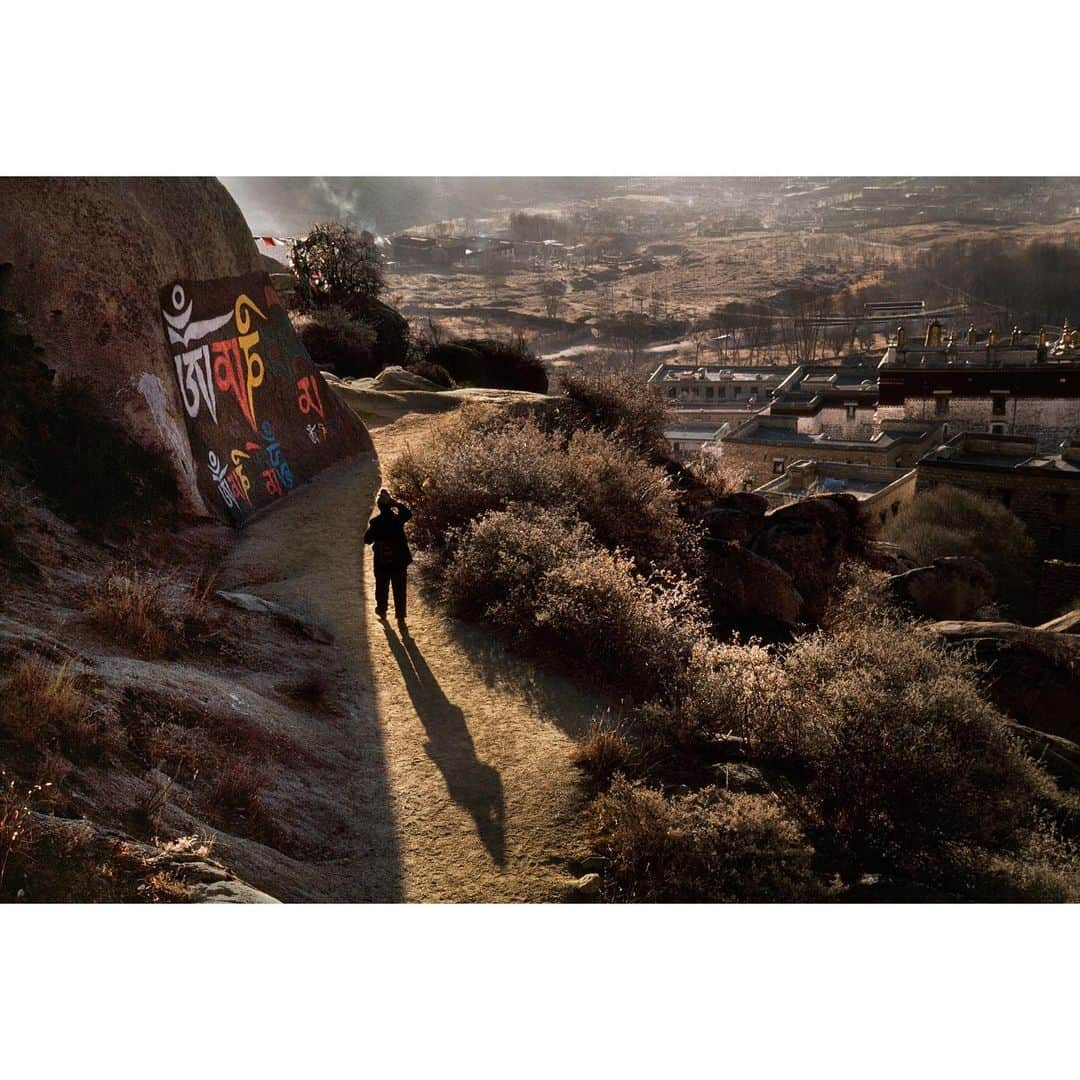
(471, 783)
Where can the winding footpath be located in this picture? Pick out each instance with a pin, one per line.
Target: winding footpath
(469, 747)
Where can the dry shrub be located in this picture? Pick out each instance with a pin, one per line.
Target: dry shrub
(337, 341)
(862, 597)
(538, 577)
(603, 752)
(477, 462)
(142, 608)
(628, 502)
(635, 634)
(435, 373)
(709, 846)
(621, 405)
(44, 709)
(499, 560)
(900, 757)
(165, 887)
(232, 797)
(953, 521)
(131, 606)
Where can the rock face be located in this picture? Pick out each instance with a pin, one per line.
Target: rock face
(808, 541)
(952, 587)
(89, 256)
(1032, 675)
(745, 589)
(889, 557)
(1069, 623)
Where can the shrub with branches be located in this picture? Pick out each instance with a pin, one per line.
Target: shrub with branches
(953, 521)
(337, 341)
(334, 264)
(621, 405)
(708, 846)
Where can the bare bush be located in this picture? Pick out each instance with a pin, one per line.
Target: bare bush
(499, 561)
(337, 341)
(954, 521)
(621, 405)
(710, 846)
(477, 462)
(636, 634)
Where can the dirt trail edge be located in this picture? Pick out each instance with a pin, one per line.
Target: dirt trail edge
(480, 798)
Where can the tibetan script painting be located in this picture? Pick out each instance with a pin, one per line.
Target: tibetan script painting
(260, 417)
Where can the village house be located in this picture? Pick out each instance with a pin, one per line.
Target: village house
(838, 402)
(766, 445)
(703, 396)
(880, 489)
(1021, 385)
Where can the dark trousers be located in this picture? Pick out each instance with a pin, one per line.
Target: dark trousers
(383, 580)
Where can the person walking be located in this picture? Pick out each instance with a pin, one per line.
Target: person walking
(390, 553)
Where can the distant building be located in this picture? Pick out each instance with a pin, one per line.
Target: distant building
(838, 402)
(688, 440)
(766, 445)
(1041, 489)
(1020, 385)
(880, 489)
(716, 394)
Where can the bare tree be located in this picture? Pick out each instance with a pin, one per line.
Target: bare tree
(553, 291)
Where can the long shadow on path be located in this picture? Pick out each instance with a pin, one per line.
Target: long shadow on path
(472, 784)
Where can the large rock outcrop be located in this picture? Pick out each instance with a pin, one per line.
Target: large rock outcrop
(1032, 675)
(809, 540)
(952, 587)
(89, 257)
(746, 591)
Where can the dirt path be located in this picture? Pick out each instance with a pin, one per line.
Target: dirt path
(480, 799)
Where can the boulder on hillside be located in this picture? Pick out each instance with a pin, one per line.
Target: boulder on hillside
(952, 587)
(397, 378)
(748, 592)
(89, 257)
(809, 540)
(1069, 623)
(1032, 675)
(889, 557)
(390, 326)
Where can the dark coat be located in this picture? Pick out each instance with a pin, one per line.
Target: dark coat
(386, 534)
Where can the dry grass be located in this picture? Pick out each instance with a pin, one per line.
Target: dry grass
(16, 833)
(130, 606)
(143, 609)
(603, 752)
(44, 709)
(164, 887)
